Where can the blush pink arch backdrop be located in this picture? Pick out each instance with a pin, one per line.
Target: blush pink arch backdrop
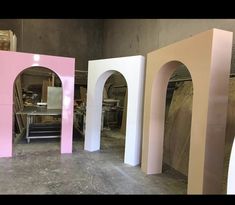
(208, 58)
(11, 65)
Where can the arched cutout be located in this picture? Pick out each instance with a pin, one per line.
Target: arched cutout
(113, 119)
(177, 123)
(13, 63)
(115, 102)
(132, 69)
(207, 56)
(32, 79)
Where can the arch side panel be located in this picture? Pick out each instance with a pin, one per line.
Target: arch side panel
(134, 112)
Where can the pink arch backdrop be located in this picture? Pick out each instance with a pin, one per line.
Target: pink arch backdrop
(11, 65)
(208, 57)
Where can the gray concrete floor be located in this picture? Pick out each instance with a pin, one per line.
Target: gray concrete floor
(38, 168)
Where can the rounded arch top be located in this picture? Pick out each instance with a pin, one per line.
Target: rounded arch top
(13, 63)
(173, 65)
(102, 78)
(164, 72)
(130, 67)
(37, 67)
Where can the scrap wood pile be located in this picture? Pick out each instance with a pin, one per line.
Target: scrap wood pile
(20, 120)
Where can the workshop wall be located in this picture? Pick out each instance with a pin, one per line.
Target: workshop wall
(78, 38)
(125, 37)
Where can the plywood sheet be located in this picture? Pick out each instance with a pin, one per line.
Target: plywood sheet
(105, 94)
(45, 85)
(18, 104)
(178, 127)
(123, 126)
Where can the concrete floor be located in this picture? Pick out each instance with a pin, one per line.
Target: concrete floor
(38, 168)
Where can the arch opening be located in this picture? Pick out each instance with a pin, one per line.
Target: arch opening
(228, 173)
(37, 108)
(178, 123)
(176, 105)
(114, 114)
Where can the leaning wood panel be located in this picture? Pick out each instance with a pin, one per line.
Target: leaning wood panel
(19, 92)
(16, 108)
(18, 121)
(45, 84)
(19, 98)
(178, 126)
(123, 125)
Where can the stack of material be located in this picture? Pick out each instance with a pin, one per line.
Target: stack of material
(123, 125)
(45, 85)
(18, 105)
(7, 40)
(4, 40)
